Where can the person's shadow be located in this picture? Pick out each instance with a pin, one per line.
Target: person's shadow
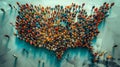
(11, 10)
(15, 62)
(6, 45)
(38, 64)
(3, 17)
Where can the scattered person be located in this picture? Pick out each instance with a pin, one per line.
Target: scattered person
(2, 10)
(12, 24)
(39, 61)
(7, 36)
(119, 59)
(10, 6)
(112, 4)
(115, 46)
(15, 56)
(15, 34)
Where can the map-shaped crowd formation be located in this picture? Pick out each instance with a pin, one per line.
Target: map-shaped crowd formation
(59, 28)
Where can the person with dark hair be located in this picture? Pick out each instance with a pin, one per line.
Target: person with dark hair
(118, 59)
(115, 46)
(15, 56)
(18, 4)
(7, 36)
(2, 10)
(83, 5)
(10, 6)
(14, 7)
(12, 24)
(112, 4)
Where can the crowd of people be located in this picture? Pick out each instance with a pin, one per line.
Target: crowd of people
(59, 28)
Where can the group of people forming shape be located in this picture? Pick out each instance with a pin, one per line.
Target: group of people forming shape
(59, 28)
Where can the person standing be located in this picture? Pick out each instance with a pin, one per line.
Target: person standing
(7, 36)
(2, 10)
(15, 56)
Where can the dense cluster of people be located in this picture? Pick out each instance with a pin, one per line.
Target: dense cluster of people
(58, 28)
